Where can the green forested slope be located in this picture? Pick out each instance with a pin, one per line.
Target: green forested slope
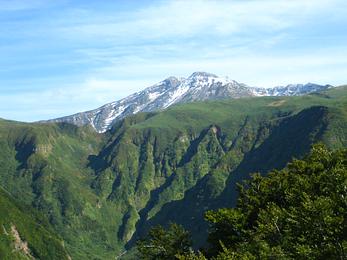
(25, 233)
(101, 192)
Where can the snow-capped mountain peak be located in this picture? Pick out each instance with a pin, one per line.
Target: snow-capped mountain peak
(290, 90)
(197, 87)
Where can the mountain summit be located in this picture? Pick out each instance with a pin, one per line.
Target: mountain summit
(199, 86)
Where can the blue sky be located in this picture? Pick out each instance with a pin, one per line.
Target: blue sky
(59, 57)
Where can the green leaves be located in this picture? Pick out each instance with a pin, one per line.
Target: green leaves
(165, 244)
(297, 213)
(230, 220)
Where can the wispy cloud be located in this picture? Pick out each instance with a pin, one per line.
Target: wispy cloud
(65, 100)
(195, 18)
(68, 56)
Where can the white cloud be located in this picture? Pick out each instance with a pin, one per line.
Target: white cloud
(33, 105)
(114, 53)
(320, 66)
(189, 18)
(164, 38)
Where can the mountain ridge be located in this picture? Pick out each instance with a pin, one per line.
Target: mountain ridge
(199, 86)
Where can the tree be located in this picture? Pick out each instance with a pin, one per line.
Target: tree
(163, 243)
(299, 212)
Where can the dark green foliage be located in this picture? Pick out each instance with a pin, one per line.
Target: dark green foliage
(165, 244)
(296, 213)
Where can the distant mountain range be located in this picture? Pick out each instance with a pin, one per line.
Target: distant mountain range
(199, 86)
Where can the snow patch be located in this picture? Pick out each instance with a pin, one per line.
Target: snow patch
(181, 90)
(139, 108)
(154, 96)
(112, 116)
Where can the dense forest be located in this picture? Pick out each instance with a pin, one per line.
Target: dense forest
(299, 212)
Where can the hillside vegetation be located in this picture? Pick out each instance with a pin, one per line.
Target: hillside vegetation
(25, 233)
(299, 212)
(101, 192)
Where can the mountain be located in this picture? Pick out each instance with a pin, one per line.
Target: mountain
(290, 90)
(199, 86)
(100, 192)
